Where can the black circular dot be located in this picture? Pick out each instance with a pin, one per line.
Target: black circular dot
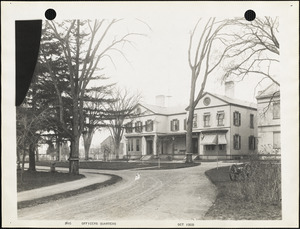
(50, 14)
(250, 15)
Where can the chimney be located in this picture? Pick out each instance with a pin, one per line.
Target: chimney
(229, 89)
(160, 100)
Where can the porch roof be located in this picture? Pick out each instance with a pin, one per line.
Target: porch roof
(209, 140)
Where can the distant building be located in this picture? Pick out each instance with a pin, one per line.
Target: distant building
(269, 131)
(107, 149)
(223, 126)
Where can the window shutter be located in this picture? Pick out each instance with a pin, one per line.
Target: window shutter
(184, 124)
(239, 119)
(234, 123)
(234, 141)
(249, 142)
(171, 125)
(177, 124)
(239, 141)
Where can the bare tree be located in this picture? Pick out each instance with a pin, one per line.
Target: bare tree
(204, 56)
(95, 113)
(82, 54)
(29, 127)
(121, 109)
(256, 49)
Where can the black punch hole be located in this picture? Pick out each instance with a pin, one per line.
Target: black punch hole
(250, 15)
(50, 14)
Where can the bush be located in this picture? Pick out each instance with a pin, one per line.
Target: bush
(263, 185)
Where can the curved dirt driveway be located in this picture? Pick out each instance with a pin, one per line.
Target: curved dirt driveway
(158, 195)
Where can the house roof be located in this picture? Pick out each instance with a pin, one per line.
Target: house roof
(164, 110)
(182, 109)
(233, 101)
(271, 91)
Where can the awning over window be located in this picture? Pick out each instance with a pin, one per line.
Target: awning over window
(221, 139)
(209, 140)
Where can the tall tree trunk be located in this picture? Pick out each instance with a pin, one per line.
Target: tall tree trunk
(74, 158)
(18, 159)
(117, 146)
(87, 140)
(189, 130)
(74, 154)
(23, 162)
(37, 154)
(32, 156)
(58, 148)
(117, 150)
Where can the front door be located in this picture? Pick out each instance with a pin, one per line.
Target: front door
(195, 145)
(149, 147)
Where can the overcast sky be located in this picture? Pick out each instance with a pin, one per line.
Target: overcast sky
(159, 64)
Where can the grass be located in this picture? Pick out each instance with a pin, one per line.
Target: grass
(117, 165)
(37, 179)
(30, 203)
(236, 200)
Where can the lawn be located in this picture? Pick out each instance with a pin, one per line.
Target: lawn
(37, 179)
(117, 165)
(236, 200)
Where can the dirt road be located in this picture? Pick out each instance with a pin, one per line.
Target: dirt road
(157, 195)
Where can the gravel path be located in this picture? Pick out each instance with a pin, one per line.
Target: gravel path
(158, 195)
(90, 178)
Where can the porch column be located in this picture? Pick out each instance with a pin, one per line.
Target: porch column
(155, 145)
(144, 146)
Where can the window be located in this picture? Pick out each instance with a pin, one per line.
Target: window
(236, 141)
(184, 124)
(128, 127)
(236, 118)
(222, 147)
(195, 121)
(276, 110)
(251, 142)
(137, 144)
(276, 140)
(220, 118)
(206, 119)
(138, 127)
(130, 144)
(149, 125)
(175, 125)
(210, 147)
(252, 121)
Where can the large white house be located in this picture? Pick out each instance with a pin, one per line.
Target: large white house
(268, 109)
(223, 127)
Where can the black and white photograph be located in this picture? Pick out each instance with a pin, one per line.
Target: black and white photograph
(150, 114)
